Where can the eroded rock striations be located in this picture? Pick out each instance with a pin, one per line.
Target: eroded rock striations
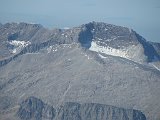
(34, 108)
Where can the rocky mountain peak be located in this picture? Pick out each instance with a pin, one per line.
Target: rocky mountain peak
(118, 41)
(95, 36)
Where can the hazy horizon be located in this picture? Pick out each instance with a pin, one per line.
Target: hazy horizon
(142, 16)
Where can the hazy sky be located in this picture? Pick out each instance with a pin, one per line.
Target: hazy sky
(141, 15)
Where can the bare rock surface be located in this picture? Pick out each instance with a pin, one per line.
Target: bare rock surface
(95, 65)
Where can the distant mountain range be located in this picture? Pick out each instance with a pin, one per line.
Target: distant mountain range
(91, 72)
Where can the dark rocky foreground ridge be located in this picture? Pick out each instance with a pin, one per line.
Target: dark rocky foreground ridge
(33, 108)
(103, 69)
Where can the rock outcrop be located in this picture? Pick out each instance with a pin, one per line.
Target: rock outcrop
(34, 108)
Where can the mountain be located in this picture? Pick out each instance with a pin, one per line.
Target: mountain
(106, 38)
(95, 64)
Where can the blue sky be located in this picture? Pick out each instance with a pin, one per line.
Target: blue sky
(141, 15)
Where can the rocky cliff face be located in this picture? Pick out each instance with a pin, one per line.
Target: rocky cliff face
(93, 63)
(101, 37)
(33, 108)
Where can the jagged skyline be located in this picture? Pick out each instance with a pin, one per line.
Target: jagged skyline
(142, 16)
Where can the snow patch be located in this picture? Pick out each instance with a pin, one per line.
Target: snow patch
(67, 45)
(14, 51)
(69, 59)
(100, 39)
(54, 50)
(102, 56)
(156, 67)
(88, 57)
(18, 45)
(105, 29)
(108, 50)
(49, 49)
(66, 28)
